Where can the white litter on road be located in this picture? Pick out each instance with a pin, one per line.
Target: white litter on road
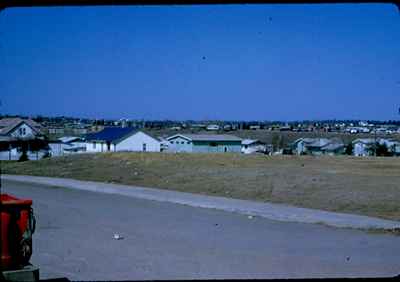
(118, 237)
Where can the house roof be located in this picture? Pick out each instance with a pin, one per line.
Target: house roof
(111, 134)
(7, 125)
(68, 139)
(314, 142)
(333, 147)
(251, 141)
(366, 141)
(6, 139)
(207, 137)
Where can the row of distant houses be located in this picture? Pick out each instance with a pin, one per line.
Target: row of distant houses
(17, 136)
(359, 147)
(114, 139)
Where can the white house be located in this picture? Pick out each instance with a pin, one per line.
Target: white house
(18, 135)
(116, 139)
(19, 128)
(67, 145)
(363, 147)
(250, 146)
(213, 127)
(392, 145)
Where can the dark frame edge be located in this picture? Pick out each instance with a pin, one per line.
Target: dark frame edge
(53, 3)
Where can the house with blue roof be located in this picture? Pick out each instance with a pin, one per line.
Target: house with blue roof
(117, 139)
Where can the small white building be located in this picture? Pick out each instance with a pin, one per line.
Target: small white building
(250, 146)
(363, 147)
(67, 145)
(213, 127)
(116, 139)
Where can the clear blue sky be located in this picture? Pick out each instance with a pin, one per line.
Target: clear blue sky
(236, 62)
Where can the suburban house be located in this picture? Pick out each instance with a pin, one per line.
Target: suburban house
(392, 145)
(318, 146)
(67, 145)
(117, 139)
(212, 127)
(204, 143)
(365, 146)
(250, 146)
(18, 135)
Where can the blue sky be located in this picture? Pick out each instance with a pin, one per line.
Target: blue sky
(233, 62)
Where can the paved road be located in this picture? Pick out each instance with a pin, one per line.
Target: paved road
(272, 211)
(74, 239)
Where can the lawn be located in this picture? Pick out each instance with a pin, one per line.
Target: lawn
(366, 186)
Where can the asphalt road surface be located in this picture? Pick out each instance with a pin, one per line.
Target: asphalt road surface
(75, 230)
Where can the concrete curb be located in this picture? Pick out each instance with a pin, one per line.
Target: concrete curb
(276, 212)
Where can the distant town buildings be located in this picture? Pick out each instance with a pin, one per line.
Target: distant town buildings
(57, 136)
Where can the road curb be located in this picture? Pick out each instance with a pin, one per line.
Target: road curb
(271, 211)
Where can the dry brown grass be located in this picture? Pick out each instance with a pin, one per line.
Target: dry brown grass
(367, 186)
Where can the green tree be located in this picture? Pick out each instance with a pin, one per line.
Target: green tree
(24, 156)
(275, 142)
(349, 149)
(382, 150)
(281, 142)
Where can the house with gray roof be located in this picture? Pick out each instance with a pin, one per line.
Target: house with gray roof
(18, 135)
(19, 128)
(204, 143)
(318, 146)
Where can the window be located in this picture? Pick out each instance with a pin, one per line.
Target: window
(172, 142)
(22, 131)
(188, 142)
(182, 142)
(94, 145)
(213, 144)
(144, 147)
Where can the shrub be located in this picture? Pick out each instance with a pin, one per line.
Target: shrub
(23, 157)
(46, 155)
(349, 149)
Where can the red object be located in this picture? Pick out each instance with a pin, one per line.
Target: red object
(17, 226)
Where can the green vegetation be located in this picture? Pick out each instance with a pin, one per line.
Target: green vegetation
(24, 156)
(367, 186)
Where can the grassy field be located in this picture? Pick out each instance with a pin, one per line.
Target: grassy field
(367, 186)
